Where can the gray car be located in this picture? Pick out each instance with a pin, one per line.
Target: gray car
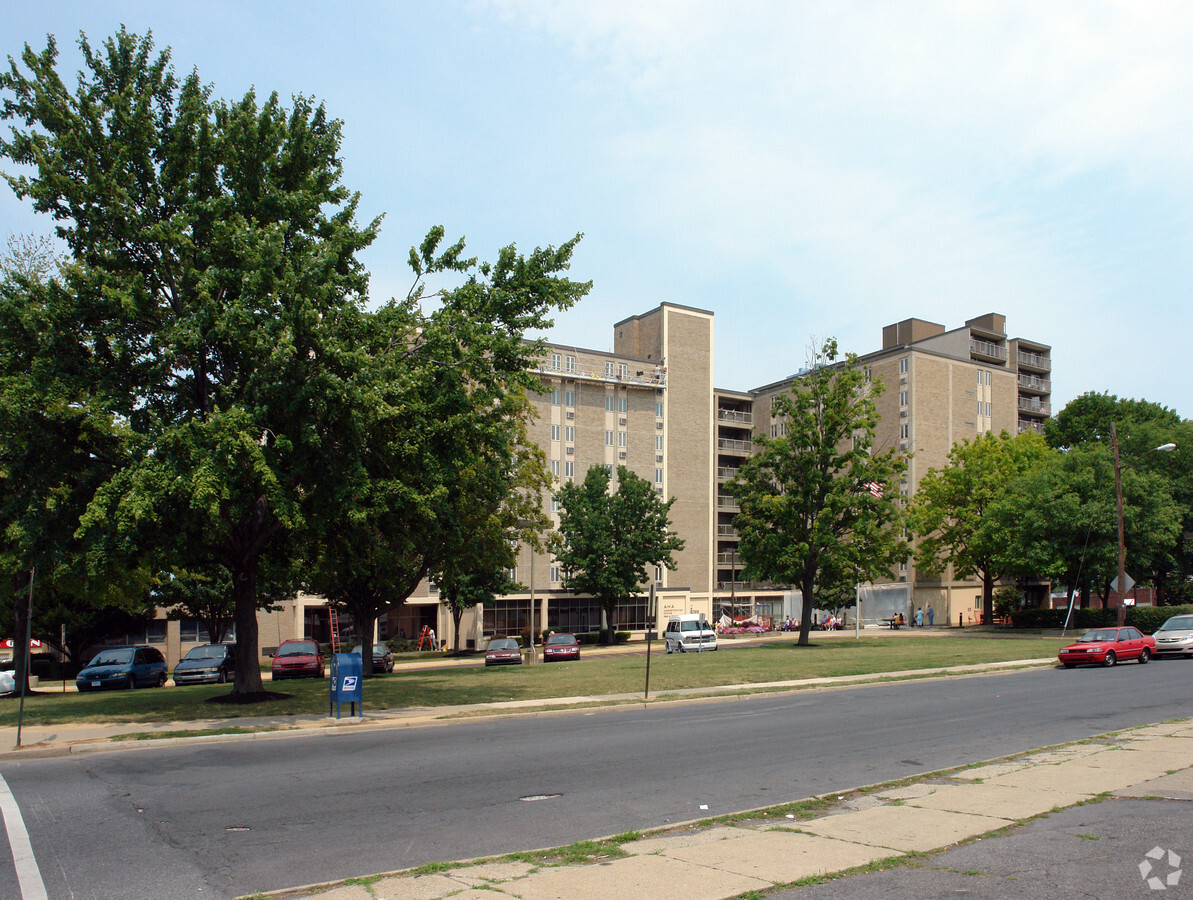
(1175, 636)
(209, 664)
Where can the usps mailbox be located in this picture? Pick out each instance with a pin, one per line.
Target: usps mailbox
(347, 683)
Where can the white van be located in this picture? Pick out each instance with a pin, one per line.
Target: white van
(689, 632)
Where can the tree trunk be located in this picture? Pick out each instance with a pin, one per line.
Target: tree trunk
(607, 620)
(805, 615)
(987, 598)
(365, 621)
(457, 615)
(244, 595)
(20, 647)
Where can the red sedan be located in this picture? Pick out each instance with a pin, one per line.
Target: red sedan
(561, 646)
(1106, 646)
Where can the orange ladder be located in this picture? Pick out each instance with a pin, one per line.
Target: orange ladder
(333, 620)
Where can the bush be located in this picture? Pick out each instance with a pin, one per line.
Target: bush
(1055, 618)
(1149, 618)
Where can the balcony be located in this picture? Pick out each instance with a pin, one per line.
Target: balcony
(987, 350)
(734, 446)
(1025, 425)
(735, 415)
(651, 378)
(1034, 407)
(726, 473)
(726, 531)
(1035, 361)
(1035, 384)
(730, 559)
(727, 503)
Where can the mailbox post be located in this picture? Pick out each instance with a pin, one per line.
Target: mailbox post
(347, 683)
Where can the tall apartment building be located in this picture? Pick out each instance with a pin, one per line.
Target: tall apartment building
(650, 405)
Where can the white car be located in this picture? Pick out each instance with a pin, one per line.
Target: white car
(1175, 636)
(689, 633)
(8, 682)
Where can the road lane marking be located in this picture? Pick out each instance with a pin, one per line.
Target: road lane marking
(28, 875)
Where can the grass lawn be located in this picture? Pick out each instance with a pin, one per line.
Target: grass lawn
(775, 661)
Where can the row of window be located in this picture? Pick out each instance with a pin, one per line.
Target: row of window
(612, 403)
(189, 632)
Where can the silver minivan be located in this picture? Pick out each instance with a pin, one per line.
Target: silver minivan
(689, 633)
(1175, 635)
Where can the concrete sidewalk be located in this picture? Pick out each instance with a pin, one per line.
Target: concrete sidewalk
(867, 827)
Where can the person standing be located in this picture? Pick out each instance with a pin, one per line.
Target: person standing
(919, 618)
(931, 615)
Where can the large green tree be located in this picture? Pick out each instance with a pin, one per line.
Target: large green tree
(216, 276)
(951, 510)
(434, 465)
(818, 503)
(607, 540)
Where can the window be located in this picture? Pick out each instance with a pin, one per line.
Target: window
(903, 364)
(979, 407)
(774, 430)
(867, 374)
(622, 370)
(658, 476)
(554, 432)
(554, 396)
(554, 504)
(569, 469)
(555, 467)
(902, 398)
(555, 360)
(609, 369)
(608, 438)
(569, 434)
(658, 573)
(608, 403)
(658, 442)
(621, 439)
(987, 409)
(571, 363)
(555, 574)
(658, 409)
(569, 398)
(621, 404)
(609, 470)
(904, 431)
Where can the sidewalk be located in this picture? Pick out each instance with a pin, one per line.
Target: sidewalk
(884, 826)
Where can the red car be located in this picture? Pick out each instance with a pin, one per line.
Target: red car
(297, 659)
(1106, 646)
(503, 651)
(561, 646)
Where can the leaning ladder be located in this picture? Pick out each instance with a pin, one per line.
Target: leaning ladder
(333, 619)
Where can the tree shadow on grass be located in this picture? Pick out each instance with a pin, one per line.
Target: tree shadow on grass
(253, 697)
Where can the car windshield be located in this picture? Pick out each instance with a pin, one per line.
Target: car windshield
(561, 639)
(298, 648)
(1092, 637)
(1178, 623)
(211, 651)
(504, 644)
(691, 626)
(113, 658)
(380, 649)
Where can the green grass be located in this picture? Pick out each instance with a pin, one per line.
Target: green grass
(774, 661)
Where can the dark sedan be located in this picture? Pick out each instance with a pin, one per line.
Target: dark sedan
(560, 647)
(503, 652)
(209, 664)
(383, 660)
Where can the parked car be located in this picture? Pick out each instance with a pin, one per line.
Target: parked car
(209, 664)
(689, 632)
(1106, 646)
(383, 660)
(1175, 636)
(8, 682)
(297, 659)
(560, 647)
(503, 652)
(123, 667)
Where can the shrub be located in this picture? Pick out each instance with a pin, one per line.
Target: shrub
(1149, 618)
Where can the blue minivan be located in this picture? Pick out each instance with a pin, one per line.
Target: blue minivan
(123, 667)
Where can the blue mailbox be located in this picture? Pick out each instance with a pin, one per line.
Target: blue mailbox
(347, 683)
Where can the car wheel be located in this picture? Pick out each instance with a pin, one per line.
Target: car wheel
(682, 649)
(1070, 665)
(161, 680)
(220, 677)
(132, 682)
(1145, 656)
(1110, 659)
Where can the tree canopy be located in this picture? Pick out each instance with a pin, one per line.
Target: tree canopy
(607, 540)
(818, 503)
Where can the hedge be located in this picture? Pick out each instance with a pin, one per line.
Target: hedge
(1146, 618)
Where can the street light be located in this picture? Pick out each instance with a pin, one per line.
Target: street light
(1118, 499)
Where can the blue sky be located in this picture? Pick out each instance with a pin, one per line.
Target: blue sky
(802, 169)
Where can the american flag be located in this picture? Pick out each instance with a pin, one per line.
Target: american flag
(875, 489)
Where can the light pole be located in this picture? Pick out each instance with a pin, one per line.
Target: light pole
(1118, 500)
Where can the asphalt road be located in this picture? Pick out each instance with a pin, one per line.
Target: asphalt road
(229, 819)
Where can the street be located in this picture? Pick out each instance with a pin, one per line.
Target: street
(231, 818)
